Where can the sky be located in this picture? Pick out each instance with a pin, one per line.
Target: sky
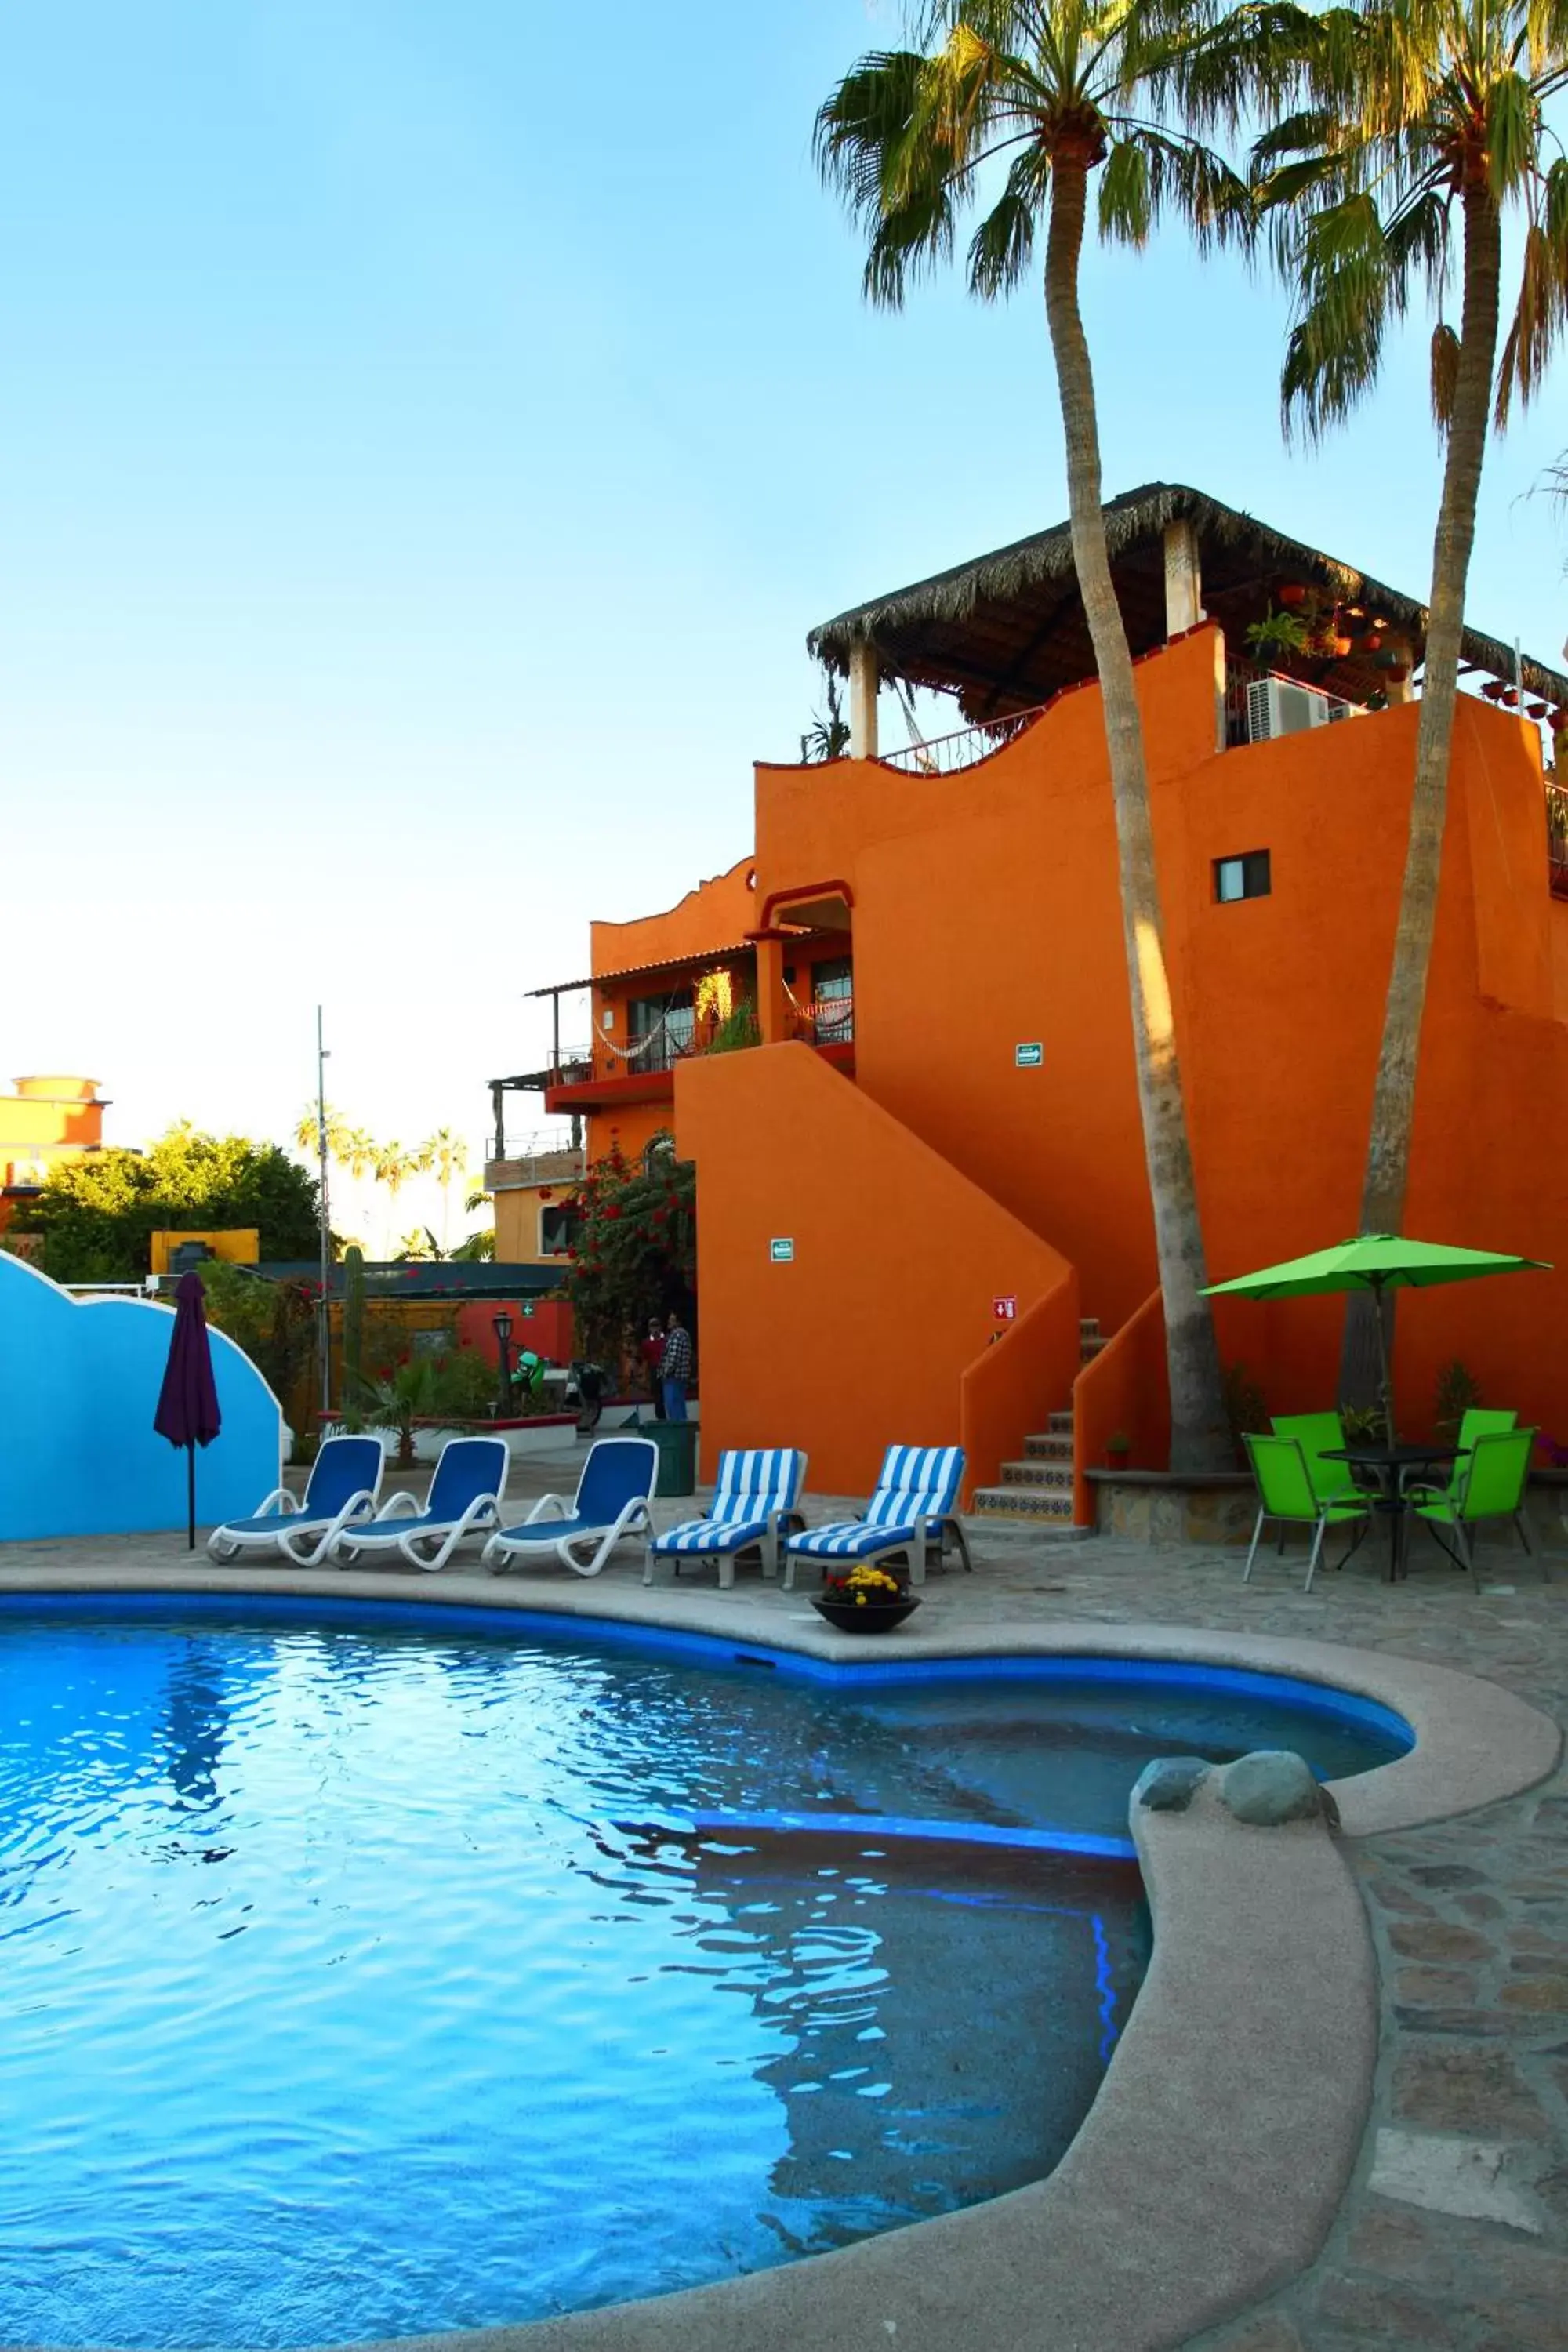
(427, 435)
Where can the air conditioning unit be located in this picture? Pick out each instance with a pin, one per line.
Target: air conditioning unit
(1278, 706)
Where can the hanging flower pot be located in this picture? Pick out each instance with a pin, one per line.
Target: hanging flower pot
(1558, 722)
(1537, 709)
(1371, 641)
(1292, 593)
(1494, 689)
(1398, 671)
(1339, 648)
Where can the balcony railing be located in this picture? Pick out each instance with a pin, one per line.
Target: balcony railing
(826, 1021)
(943, 755)
(822, 1021)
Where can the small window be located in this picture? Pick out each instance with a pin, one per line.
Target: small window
(1241, 877)
(558, 1230)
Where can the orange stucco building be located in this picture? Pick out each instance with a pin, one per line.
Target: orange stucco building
(922, 1206)
(45, 1120)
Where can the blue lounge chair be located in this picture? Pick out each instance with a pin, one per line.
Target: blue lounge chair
(912, 1511)
(753, 1505)
(612, 1498)
(344, 1481)
(464, 1496)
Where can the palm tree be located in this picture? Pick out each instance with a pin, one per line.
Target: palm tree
(1427, 127)
(448, 1155)
(1041, 94)
(307, 1133)
(356, 1149)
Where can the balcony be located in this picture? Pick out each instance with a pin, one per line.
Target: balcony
(602, 1075)
(528, 1160)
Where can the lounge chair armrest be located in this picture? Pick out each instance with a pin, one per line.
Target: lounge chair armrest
(401, 1505)
(550, 1506)
(279, 1504)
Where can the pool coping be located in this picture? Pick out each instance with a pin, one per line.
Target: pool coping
(1215, 2156)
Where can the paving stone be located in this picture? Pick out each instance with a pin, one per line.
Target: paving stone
(1400, 2242)
(1373, 2313)
(1435, 1988)
(1550, 1993)
(1449, 1874)
(1466, 2090)
(1438, 1939)
(1469, 2024)
(1481, 1906)
(1460, 2177)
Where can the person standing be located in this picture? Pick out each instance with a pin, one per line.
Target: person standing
(652, 1354)
(675, 1368)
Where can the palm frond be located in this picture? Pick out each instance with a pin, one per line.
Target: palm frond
(1444, 374)
(1004, 244)
(1539, 319)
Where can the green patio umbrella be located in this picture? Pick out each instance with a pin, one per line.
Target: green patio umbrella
(1378, 1262)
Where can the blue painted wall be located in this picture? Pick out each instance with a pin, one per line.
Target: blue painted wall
(78, 1387)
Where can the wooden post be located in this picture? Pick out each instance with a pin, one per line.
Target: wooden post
(1184, 579)
(862, 702)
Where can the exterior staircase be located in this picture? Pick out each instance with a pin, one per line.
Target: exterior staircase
(1037, 1491)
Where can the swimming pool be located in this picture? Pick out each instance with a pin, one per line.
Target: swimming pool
(379, 1972)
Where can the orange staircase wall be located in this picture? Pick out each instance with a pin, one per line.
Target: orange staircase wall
(864, 1335)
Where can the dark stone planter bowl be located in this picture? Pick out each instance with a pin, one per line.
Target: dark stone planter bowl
(868, 1616)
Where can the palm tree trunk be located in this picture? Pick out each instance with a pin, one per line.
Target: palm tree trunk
(1393, 1094)
(1200, 1437)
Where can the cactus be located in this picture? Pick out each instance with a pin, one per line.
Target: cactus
(353, 1334)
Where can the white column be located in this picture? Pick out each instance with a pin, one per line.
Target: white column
(1184, 579)
(862, 702)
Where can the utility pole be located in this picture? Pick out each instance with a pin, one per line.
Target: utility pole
(325, 1218)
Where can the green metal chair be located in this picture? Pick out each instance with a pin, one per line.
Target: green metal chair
(1479, 1420)
(1491, 1487)
(1285, 1496)
(1318, 1433)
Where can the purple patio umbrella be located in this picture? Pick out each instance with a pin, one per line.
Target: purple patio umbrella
(187, 1411)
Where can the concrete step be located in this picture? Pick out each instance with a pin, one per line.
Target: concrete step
(1054, 1507)
(1089, 1327)
(1060, 1425)
(1089, 1347)
(1046, 1475)
(1048, 1446)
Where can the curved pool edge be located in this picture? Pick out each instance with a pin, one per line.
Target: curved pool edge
(1239, 2088)
(1474, 1743)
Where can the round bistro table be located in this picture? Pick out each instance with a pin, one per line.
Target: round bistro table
(1387, 1469)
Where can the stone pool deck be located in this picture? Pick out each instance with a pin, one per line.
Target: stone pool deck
(1454, 2231)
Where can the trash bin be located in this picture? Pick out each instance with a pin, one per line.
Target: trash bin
(677, 1443)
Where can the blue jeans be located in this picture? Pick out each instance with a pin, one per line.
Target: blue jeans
(675, 1400)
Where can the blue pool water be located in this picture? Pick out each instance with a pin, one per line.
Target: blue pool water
(368, 1973)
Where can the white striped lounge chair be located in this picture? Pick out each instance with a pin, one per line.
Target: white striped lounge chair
(912, 1510)
(753, 1506)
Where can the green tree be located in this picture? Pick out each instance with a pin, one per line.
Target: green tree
(1023, 101)
(96, 1213)
(635, 1253)
(1427, 127)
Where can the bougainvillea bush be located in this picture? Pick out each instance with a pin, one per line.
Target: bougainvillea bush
(635, 1253)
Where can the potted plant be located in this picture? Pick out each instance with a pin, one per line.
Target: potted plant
(1278, 636)
(867, 1599)
(1292, 593)
(1118, 1449)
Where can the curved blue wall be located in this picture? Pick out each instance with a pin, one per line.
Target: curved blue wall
(78, 1387)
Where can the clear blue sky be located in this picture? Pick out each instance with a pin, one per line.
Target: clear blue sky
(426, 433)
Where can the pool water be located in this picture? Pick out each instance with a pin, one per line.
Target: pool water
(369, 1974)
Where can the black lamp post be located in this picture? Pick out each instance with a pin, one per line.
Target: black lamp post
(501, 1326)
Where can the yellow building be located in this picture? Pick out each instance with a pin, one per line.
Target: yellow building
(46, 1121)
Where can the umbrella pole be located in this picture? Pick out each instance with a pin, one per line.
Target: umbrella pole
(1386, 1375)
(190, 1498)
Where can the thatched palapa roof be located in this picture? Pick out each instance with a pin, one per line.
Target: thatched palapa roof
(1008, 631)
